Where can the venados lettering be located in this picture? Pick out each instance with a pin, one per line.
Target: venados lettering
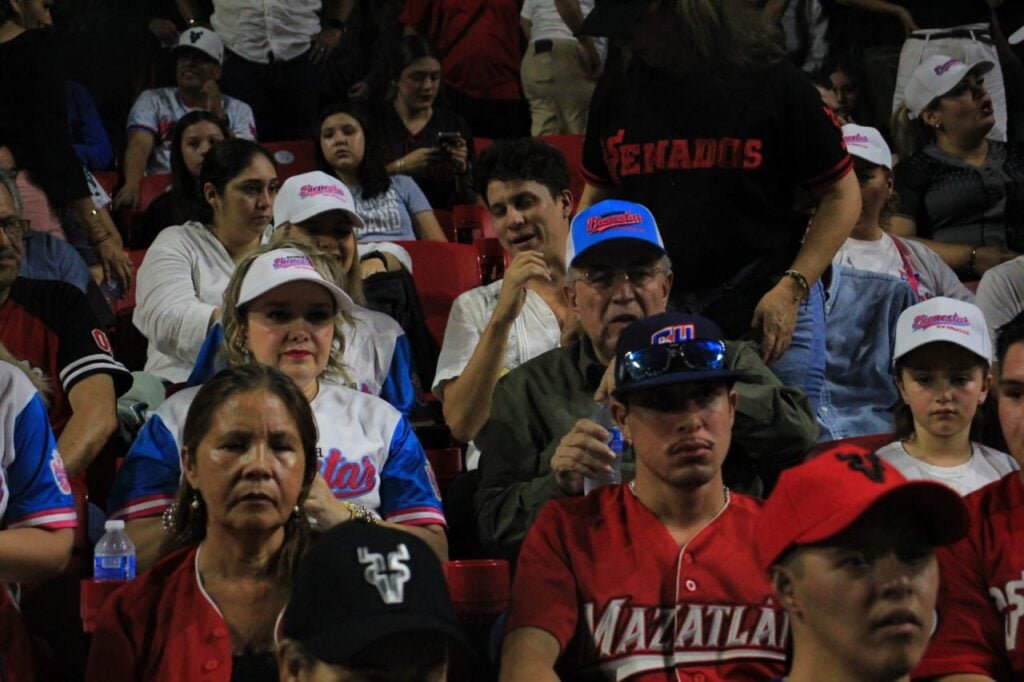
(609, 222)
(645, 158)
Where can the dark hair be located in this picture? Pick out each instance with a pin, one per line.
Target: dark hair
(372, 173)
(410, 49)
(712, 34)
(523, 158)
(189, 524)
(903, 417)
(1010, 333)
(227, 159)
(187, 201)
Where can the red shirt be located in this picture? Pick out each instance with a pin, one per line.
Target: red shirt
(162, 627)
(603, 575)
(479, 46)
(981, 591)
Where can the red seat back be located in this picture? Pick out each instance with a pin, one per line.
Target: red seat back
(571, 147)
(442, 271)
(151, 187)
(292, 157)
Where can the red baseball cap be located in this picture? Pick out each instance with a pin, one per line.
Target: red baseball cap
(821, 498)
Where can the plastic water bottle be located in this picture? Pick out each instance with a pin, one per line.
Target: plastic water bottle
(603, 416)
(114, 558)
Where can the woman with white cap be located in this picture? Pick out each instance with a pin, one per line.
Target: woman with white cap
(958, 188)
(281, 308)
(941, 361)
(317, 209)
(871, 246)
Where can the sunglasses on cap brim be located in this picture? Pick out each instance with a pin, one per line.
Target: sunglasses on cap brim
(705, 355)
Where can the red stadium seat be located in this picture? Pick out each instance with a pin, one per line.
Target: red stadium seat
(108, 180)
(446, 463)
(444, 219)
(292, 157)
(442, 271)
(481, 143)
(151, 187)
(571, 147)
(493, 259)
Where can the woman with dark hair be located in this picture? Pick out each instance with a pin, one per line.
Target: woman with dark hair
(960, 190)
(428, 142)
(720, 171)
(183, 277)
(208, 609)
(391, 207)
(194, 135)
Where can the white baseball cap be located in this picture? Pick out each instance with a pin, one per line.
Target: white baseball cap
(943, 319)
(936, 76)
(868, 144)
(204, 40)
(280, 266)
(309, 194)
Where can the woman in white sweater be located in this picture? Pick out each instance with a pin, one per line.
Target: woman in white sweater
(182, 280)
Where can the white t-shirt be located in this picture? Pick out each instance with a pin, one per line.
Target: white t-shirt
(535, 331)
(985, 466)
(158, 110)
(934, 277)
(547, 24)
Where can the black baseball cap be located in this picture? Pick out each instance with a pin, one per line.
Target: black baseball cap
(613, 17)
(362, 582)
(670, 348)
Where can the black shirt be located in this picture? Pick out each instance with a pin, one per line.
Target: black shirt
(438, 183)
(34, 116)
(717, 160)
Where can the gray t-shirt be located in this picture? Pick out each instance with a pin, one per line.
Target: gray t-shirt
(1001, 294)
(985, 466)
(388, 216)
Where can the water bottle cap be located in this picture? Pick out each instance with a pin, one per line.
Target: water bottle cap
(113, 524)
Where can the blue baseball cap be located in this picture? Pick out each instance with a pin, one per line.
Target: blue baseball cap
(670, 348)
(609, 220)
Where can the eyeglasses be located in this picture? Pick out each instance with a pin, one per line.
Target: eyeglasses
(14, 227)
(685, 356)
(604, 279)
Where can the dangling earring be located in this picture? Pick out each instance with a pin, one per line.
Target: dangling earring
(242, 347)
(196, 503)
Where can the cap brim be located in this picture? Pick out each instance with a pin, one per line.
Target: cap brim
(343, 300)
(337, 646)
(1016, 37)
(580, 258)
(302, 216)
(676, 378)
(612, 20)
(938, 506)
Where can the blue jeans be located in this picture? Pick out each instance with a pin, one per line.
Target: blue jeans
(803, 363)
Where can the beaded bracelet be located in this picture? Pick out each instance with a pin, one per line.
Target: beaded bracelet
(359, 513)
(801, 281)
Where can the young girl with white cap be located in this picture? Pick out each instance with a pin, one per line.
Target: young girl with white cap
(941, 361)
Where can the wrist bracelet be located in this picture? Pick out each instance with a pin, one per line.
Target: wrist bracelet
(359, 513)
(972, 269)
(400, 166)
(801, 281)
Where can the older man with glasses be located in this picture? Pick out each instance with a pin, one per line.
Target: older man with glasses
(538, 443)
(50, 327)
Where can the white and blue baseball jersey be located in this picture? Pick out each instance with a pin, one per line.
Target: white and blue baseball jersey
(368, 453)
(158, 110)
(34, 489)
(377, 358)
